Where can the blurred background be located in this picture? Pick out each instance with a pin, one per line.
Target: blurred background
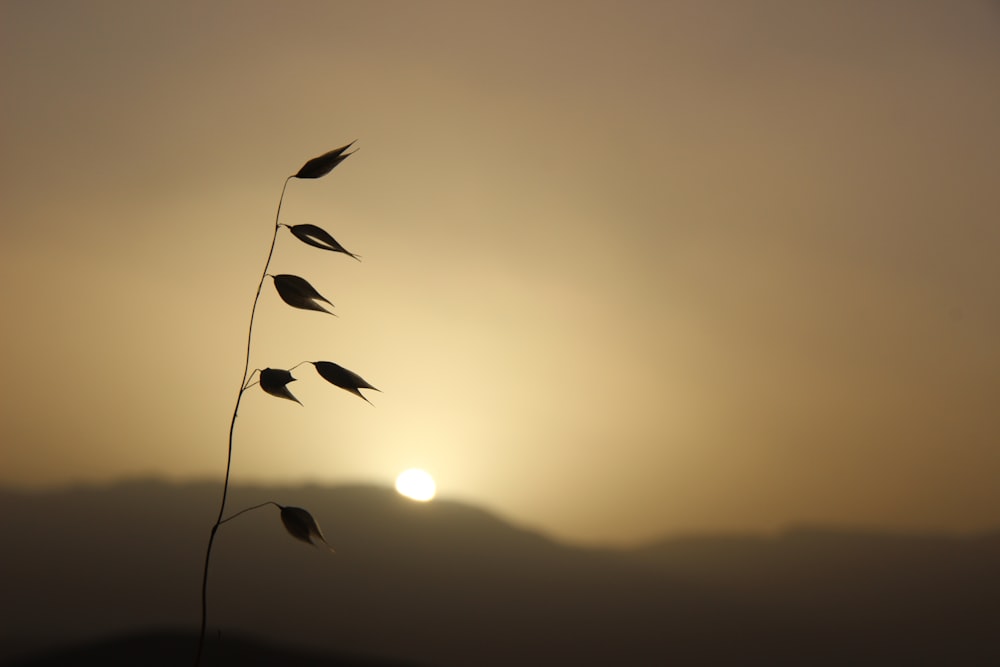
(629, 269)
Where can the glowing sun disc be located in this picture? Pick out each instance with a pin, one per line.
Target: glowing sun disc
(416, 484)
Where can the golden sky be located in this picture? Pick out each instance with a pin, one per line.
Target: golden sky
(629, 268)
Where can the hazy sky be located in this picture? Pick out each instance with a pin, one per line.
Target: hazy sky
(630, 268)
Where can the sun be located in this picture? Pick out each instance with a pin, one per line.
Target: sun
(416, 484)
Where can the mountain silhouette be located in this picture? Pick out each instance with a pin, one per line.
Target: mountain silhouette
(448, 584)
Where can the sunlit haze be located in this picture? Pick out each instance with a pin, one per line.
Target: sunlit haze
(628, 269)
(416, 484)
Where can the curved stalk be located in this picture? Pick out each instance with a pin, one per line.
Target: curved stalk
(250, 509)
(232, 426)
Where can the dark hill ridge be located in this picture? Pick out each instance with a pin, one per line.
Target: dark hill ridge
(448, 584)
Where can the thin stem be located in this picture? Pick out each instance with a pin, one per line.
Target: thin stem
(247, 384)
(248, 509)
(232, 426)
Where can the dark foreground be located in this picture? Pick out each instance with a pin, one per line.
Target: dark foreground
(171, 649)
(92, 575)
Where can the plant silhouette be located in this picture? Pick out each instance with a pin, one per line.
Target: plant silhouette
(318, 238)
(298, 293)
(343, 378)
(275, 382)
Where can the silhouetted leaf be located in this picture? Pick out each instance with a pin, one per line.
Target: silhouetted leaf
(324, 164)
(298, 293)
(319, 238)
(300, 525)
(273, 381)
(343, 378)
